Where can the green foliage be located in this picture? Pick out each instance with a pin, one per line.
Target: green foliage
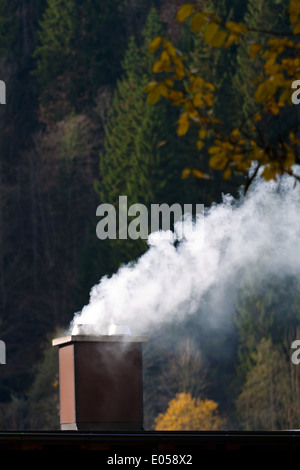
(18, 25)
(56, 36)
(66, 71)
(265, 309)
(43, 397)
(270, 396)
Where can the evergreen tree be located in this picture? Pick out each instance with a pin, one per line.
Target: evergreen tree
(139, 140)
(77, 52)
(260, 15)
(269, 399)
(217, 66)
(265, 309)
(139, 160)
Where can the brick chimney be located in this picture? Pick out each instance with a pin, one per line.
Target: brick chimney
(100, 382)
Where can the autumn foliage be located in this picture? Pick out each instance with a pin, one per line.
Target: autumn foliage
(245, 146)
(189, 414)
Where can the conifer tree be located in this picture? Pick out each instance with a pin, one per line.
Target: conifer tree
(261, 15)
(77, 52)
(265, 308)
(138, 160)
(269, 399)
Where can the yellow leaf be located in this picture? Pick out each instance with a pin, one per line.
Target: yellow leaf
(236, 27)
(185, 12)
(176, 97)
(197, 173)
(262, 92)
(198, 100)
(154, 44)
(165, 57)
(255, 49)
(214, 149)
(289, 161)
(257, 118)
(294, 7)
(235, 133)
(179, 70)
(214, 36)
(218, 161)
(157, 66)
(273, 107)
(150, 87)
(237, 157)
(294, 11)
(210, 31)
(200, 144)
(183, 124)
(179, 73)
(227, 173)
(269, 173)
(169, 82)
(170, 48)
(293, 19)
(233, 38)
(243, 166)
(154, 95)
(220, 38)
(197, 22)
(210, 86)
(162, 64)
(163, 89)
(296, 28)
(185, 173)
(202, 133)
(209, 99)
(160, 144)
(258, 154)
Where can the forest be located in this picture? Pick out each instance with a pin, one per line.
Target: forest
(78, 130)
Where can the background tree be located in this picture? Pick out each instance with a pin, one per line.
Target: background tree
(173, 364)
(233, 149)
(138, 145)
(267, 399)
(265, 308)
(67, 73)
(190, 414)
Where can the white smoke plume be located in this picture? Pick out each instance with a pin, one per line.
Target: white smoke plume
(169, 283)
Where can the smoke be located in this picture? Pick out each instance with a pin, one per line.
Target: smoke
(172, 281)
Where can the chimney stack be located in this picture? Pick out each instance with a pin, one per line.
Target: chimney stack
(100, 381)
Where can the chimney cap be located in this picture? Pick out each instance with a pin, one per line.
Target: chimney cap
(102, 338)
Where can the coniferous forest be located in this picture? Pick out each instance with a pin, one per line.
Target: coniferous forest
(76, 131)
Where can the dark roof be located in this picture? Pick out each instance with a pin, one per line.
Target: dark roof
(149, 442)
